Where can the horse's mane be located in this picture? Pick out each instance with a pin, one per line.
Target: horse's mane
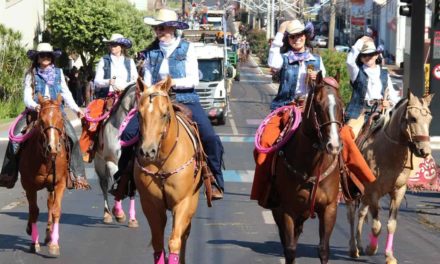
(124, 93)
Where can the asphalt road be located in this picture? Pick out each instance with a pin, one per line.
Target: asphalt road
(235, 230)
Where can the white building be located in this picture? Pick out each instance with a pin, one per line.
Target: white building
(25, 16)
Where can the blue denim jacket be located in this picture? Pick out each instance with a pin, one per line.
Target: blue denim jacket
(54, 90)
(288, 81)
(176, 65)
(102, 93)
(360, 85)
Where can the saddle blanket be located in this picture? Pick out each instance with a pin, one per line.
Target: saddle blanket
(426, 176)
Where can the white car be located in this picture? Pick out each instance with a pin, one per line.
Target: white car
(319, 41)
(341, 48)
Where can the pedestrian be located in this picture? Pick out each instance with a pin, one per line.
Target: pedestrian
(115, 70)
(171, 55)
(74, 84)
(291, 55)
(371, 83)
(45, 79)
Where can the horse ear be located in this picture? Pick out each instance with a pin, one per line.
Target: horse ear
(411, 96)
(40, 98)
(167, 84)
(428, 98)
(59, 99)
(338, 75)
(140, 85)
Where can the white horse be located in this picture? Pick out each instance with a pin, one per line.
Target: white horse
(109, 149)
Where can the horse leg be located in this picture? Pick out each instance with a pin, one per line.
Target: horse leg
(183, 247)
(49, 227)
(132, 223)
(396, 198)
(351, 212)
(54, 248)
(155, 212)
(286, 229)
(103, 183)
(278, 217)
(32, 228)
(327, 220)
(375, 229)
(363, 212)
(183, 212)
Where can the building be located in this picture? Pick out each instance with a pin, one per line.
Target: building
(25, 16)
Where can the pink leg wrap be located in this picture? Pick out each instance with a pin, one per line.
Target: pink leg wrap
(173, 258)
(373, 241)
(389, 247)
(118, 206)
(159, 257)
(34, 233)
(55, 234)
(132, 211)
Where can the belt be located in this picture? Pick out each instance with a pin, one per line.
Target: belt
(371, 102)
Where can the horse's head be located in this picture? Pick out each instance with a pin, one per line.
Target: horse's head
(155, 110)
(51, 124)
(324, 112)
(417, 121)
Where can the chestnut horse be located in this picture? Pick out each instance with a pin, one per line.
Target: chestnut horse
(166, 172)
(405, 134)
(310, 159)
(43, 163)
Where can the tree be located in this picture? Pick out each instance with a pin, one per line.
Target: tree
(79, 26)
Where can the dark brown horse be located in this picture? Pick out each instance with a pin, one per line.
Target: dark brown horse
(310, 159)
(166, 171)
(43, 164)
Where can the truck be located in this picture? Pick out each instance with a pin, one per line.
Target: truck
(215, 76)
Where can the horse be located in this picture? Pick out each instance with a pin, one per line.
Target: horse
(405, 134)
(166, 171)
(43, 163)
(306, 175)
(109, 149)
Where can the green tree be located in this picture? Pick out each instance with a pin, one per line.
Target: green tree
(13, 64)
(335, 61)
(79, 26)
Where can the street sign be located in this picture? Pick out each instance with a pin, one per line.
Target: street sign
(436, 71)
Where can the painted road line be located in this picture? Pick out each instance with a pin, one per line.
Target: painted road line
(267, 217)
(10, 206)
(229, 139)
(233, 126)
(256, 122)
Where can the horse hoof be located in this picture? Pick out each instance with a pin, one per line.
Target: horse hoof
(35, 248)
(120, 218)
(391, 260)
(370, 251)
(54, 250)
(108, 219)
(47, 240)
(354, 253)
(133, 223)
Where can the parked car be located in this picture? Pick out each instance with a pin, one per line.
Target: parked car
(341, 48)
(319, 41)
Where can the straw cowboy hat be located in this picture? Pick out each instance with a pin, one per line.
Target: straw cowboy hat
(368, 48)
(166, 17)
(296, 27)
(43, 47)
(118, 39)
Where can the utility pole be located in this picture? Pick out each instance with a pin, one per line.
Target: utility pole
(331, 32)
(183, 10)
(272, 20)
(268, 19)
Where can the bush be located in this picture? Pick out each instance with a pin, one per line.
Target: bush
(259, 45)
(13, 64)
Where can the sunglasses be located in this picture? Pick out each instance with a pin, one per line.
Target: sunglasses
(295, 36)
(158, 28)
(45, 55)
(369, 55)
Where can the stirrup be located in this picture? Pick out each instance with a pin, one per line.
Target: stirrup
(8, 181)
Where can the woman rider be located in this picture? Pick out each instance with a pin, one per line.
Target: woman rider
(45, 79)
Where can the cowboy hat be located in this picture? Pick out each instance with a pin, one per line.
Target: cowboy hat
(118, 39)
(165, 17)
(43, 47)
(296, 27)
(368, 48)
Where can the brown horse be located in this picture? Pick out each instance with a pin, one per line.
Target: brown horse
(310, 159)
(406, 133)
(43, 164)
(165, 172)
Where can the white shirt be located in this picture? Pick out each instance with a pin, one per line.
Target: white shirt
(65, 93)
(275, 61)
(118, 70)
(191, 66)
(374, 87)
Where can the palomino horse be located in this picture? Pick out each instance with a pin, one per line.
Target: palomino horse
(166, 172)
(109, 149)
(310, 159)
(43, 164)
(405, 134)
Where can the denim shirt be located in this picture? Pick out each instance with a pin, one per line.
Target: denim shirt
(176, 65)
(288, 81)
(360, 85)
(54, 90)
(102, 93)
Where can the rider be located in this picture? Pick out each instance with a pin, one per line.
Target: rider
(371, 83)
(44, 78)
(171, 55)
(291, 55)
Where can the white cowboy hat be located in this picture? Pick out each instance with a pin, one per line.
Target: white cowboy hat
(119, 39)
(43, 47)
(368, 48)
(294, 27)
(165, 17)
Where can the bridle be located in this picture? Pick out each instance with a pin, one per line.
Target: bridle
(44, 129)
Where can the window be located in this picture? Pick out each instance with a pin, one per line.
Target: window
(210, 70)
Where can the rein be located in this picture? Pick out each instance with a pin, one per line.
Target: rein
(122, 127)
